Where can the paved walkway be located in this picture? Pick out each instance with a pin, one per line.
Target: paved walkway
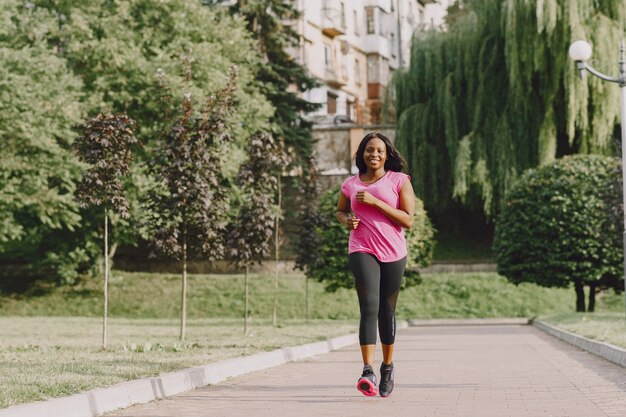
(465, 371)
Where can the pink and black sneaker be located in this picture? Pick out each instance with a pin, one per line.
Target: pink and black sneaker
(367, 382)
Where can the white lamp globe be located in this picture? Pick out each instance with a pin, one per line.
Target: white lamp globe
(580, 51)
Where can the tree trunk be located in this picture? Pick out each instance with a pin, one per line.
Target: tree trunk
(105, 329)
(276, 253)
(306, 298)
(112, 251)
(183, 309)
(245, 303)
(580, 296)
(592, 296)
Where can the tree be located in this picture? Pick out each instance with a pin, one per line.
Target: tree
(251, 232)
(278, 237)
(328, 260)
(187, 208)
(497, 94)
(555, 228)
(270, 22)
(106, 146)
(39, 218)
(64, 60)
(308, 221)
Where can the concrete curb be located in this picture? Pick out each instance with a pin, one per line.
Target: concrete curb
(610, 352)
(470, 322)
(99, 401)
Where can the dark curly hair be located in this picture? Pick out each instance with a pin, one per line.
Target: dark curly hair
(395, 161)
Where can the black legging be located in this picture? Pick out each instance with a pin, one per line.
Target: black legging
(377, 284)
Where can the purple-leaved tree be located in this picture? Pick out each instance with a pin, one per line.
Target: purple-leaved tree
(106, 146)
(251, 231)
(188, 205)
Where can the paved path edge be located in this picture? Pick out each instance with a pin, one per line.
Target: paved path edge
(612, 353)
(471, 322)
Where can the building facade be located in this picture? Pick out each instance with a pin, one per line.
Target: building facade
(353, 47)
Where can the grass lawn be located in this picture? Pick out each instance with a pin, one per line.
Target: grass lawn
(603, 327)
(49, 344)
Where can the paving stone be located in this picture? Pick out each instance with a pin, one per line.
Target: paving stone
(467, 371)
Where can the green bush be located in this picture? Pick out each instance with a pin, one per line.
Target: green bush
(555, 229)
(330, 260)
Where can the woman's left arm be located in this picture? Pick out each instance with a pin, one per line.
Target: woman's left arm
(402, 216)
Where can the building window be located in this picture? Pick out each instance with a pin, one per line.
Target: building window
(369, 13)
(356, 23)
(392, 42)
(331, 103)
(343, 14)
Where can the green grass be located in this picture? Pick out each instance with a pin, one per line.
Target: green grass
(603, 327)
(144, 295)
(49, 344)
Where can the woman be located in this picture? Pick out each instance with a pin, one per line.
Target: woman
(375, 205)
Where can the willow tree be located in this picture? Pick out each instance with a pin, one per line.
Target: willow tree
(496, 94)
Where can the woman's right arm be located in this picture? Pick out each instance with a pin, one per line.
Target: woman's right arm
(344, 215)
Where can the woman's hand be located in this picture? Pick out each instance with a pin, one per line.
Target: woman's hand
(352, 222)
(366, 198)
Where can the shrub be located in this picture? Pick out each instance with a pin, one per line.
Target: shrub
(330, 260)
(555, 227)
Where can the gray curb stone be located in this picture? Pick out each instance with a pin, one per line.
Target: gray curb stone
(610, 352)
(99, 401)
(470, 322)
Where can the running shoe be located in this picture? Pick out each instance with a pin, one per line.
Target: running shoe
(367, 382)
(386, 379)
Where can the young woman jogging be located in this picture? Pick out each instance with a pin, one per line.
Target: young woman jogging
(376, 204)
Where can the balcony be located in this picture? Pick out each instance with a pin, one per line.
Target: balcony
(334, 79)
(383, 4)
(333, 18)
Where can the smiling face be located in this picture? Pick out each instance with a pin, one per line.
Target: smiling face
(375, 154)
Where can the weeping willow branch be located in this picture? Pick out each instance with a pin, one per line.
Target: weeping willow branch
(497, 94)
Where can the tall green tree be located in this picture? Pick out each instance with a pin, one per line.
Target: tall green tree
(188, 205)
(497, 94)
(271, 23)
(40, 105)
(65, 60)
(251, 231)
(106, 146)
(308, 221)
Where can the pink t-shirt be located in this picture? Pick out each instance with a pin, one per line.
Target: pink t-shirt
(376, 234)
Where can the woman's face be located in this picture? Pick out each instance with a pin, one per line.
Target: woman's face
(375, 154)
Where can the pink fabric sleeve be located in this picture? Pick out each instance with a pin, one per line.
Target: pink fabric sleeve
(399, 180)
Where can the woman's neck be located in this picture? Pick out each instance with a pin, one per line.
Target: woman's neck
(372, 175)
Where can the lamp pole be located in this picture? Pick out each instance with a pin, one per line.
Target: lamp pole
(580, 51)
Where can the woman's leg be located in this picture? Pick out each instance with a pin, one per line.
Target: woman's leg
(390, 281)
(366, 271)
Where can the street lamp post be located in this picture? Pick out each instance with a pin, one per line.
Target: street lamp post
(580, 51)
